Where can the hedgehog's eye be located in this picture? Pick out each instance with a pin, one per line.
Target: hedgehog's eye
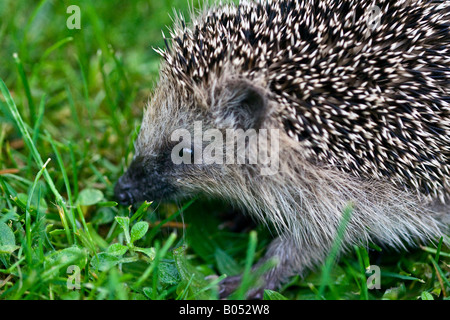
(185, 152)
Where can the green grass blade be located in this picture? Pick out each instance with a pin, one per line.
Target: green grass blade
(441, 274)
(27, 212)
(438, 251)
(326, 270)
(363, 264)
(250, 257)
(434, 251)
(29, 142)
(26, 86)
(160, 253)
(37, 125)
(141, 211)
(54, 47)
(66, 182)
(400, 276)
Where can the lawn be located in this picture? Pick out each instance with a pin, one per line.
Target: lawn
(70, 108)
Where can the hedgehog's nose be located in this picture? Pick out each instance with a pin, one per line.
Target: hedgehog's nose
(122, 193)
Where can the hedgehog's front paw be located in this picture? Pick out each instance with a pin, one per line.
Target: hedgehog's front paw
(228, 285)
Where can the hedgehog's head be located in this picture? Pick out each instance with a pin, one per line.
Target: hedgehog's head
(183, 147)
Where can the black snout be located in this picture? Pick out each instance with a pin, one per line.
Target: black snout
(144, 180)
(122, 192)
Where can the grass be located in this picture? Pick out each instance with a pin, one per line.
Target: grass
(70, 108)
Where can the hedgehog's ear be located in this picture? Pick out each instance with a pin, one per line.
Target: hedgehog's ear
(241, 105)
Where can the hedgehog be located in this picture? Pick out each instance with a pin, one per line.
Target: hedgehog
(358, 93)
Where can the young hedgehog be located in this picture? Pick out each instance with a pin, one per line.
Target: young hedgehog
(360, 96)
